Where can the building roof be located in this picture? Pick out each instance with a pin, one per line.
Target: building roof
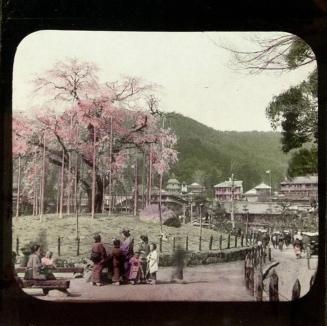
(251, 192)
(253, 207)
(237, 183)
(262, 186)
(173, 181)
(195, 185)
(301, 180)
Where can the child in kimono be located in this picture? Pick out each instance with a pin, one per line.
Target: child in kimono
(153, 260)
(136, 271)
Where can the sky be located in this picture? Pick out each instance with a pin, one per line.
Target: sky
(195, 75)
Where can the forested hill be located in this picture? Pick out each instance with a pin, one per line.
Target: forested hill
(210, 156)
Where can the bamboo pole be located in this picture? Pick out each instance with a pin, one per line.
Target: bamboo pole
(62, 184)
(34, 184)
(135, 188)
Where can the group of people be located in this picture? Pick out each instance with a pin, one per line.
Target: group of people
(126, 265)
(39, 267)
(278, 240)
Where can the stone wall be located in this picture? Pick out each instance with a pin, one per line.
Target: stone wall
(207, 257)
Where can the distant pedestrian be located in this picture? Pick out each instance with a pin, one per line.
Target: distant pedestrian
(274, 240)
(297, 248)
(98, 256)
(153, 261)
(280, 243)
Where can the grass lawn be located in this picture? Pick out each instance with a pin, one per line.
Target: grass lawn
(30, 228)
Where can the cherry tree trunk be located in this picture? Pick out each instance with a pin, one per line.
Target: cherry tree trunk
(18, 188)
(160, 211)
(34, 185)
(135, 189)
(150, 177)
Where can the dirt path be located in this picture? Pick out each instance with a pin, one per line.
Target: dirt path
(288, 270)
(221, 282)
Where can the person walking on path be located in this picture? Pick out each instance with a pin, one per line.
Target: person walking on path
(98, 256)
(126, 248)
(153, 261)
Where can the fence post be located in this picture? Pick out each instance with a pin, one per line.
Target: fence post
(200, 244)
(17, 246)
(235, 246)
(220, 241)
(273, 287)
(228, 241)
(269, 254)
(59, 246)
(296, 291)
(186, 244)
(210, 242)
(160, 244)
(174, 244)
(78, 243)
(242, 240)
(258, 290)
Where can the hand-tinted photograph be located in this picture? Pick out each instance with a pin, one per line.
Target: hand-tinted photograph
(165, 166)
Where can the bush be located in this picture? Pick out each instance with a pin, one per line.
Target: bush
(151, 214)
(173, 221)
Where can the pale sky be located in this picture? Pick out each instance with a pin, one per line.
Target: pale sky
(195, 74)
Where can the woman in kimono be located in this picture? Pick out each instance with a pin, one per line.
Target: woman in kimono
(34, 266)
(98, 257)
(136, 271)
(117, 267)
(126, 248)
(144, 249)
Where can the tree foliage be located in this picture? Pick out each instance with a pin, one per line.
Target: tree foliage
(295, 110)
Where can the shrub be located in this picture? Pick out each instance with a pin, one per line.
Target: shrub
(173, 221)
(151, 213)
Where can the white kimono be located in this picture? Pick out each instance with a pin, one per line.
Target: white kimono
(153, 260)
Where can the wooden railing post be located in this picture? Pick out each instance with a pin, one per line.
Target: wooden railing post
(160, 244)
(269, 254)
(235, 245)
(200, 245)
(174, 244)
(210, 242)
(220, 241)
(17, 246)
(186, 244)
(78, 244)
(59, 240)
(242, 240)
(228, 241)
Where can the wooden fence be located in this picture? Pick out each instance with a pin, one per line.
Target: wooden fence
(172, 243)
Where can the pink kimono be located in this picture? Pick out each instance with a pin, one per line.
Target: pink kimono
(135, 272)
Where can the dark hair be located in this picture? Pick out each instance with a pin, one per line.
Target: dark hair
(97, 238)
(116, 243)
(35, 248)
(126, 233)
(154, 246)
(144, 238)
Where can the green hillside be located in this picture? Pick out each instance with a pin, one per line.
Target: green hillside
(210, 156)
